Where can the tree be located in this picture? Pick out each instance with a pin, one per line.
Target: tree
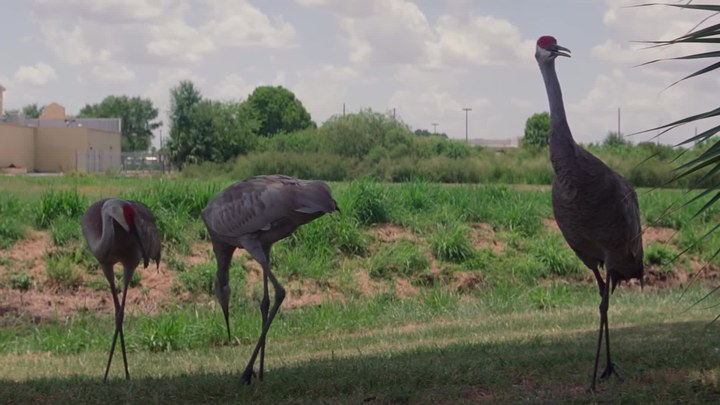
(206, 130)
(537, 130)
(355, 135)
(137, 116)
(277, 110)
(183, 98)
(615, 139)
(425, 132)
(32, 111)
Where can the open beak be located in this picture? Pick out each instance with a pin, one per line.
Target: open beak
(134, 232)
(558, 50)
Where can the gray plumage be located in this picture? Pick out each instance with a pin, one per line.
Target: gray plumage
(253, 214)
(124, 232)
(595, 208)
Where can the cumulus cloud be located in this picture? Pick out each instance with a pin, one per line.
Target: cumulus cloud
(160, 33)
(232, 87)
(37, 74)
(323, 90)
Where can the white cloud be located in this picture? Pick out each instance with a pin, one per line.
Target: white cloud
(176, 41)
(232, 87)
(479, 41)
(109, 10)
(324, 89)
(37, 74)
(112, 73)
(237, 23)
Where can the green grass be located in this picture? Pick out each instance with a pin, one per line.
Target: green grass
(521, 330)
(467, 353)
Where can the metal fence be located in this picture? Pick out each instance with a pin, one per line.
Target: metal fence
(142, 162)
(95, 161)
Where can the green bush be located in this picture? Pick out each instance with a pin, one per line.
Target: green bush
(660, 255)
(21, 280)
(402, 258)
(11, 217)
(61, 272)
(58, 204)
(366, 201)
(199, 278)
(451, 243)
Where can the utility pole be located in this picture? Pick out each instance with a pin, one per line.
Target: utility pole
(434, 124)
(343, 109)
(466, 109)
(618, 130)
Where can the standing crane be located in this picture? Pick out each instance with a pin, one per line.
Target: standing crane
(124, 232)
(595, 208)
(253, 214)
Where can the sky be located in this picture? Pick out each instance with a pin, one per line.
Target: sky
(425, 60)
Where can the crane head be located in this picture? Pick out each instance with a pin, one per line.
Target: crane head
(547, 49)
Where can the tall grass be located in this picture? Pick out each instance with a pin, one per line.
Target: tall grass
(12, 220)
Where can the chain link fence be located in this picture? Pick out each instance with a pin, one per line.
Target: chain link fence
(95, 161)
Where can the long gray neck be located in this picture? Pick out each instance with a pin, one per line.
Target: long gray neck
(562, 145)
(102, 246)
(552, 86)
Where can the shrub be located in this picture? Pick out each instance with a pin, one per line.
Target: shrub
(660, 255)
(199, 278)
(61, 272)
(366, 202)
(21, 280)
(57, 204)
(451, 243)
(11, 215)
(400, 258)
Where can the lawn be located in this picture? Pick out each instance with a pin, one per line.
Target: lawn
(415, 293)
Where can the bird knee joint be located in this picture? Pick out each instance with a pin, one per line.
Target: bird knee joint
(279, 294)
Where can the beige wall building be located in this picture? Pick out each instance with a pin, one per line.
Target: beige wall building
(55, 147)
(17, 146)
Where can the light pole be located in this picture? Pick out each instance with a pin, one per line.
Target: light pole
(466, 109)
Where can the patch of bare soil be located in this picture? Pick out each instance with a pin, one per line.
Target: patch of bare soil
(466, 281)
(391, 233)
(404, 289)
(657, 234)
(368, 286)
(40, 302)
(482, 236)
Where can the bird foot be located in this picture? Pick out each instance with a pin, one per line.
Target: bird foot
(609, 370)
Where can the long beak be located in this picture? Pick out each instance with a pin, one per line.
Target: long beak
(560, 50)
(134, 232)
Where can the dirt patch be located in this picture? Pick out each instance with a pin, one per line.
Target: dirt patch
(391, 233)
(657, 234)
(367, 285)
(465, 281)
(482, 236)
(301, 293)
(153, 295)
(404, 289)
(551, 223)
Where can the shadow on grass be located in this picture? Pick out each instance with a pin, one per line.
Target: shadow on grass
(658, 362)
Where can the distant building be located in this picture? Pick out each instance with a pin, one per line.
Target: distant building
(496, 143)
(58, 143)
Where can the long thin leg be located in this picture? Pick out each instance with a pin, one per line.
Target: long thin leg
(609, 366)
(223, 256)
(259, 255)
(127, 275)
(264, 307)
(108, 271)
(604, 305)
